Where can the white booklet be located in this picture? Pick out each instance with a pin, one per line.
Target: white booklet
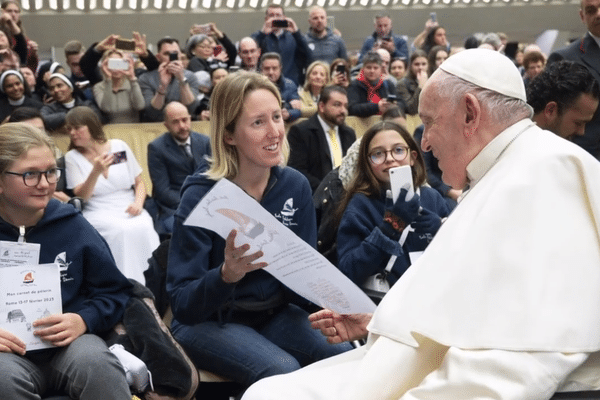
(291, 260)
(27, 293)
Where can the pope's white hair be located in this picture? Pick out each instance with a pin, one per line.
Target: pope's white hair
(502, 110)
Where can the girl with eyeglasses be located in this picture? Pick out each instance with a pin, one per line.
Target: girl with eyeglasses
(94, 293)
(371, 224)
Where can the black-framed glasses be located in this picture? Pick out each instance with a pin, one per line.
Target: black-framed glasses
(379, 156)
(32, 178)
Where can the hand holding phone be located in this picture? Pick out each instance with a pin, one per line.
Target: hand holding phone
(401, 178)
(279, 23)
(173, 56)
(125, 44)
(118, 64)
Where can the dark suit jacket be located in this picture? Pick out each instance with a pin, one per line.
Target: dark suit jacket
(585, 52)
(309, 151)
(169, 166)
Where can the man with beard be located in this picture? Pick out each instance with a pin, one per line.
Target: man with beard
(318, 144)
(564, 98)
(171, 158)
(324, 44)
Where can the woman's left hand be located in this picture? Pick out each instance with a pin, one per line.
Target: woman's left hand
(60, 329)
(134, 210)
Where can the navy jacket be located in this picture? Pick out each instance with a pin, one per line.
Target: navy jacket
(194, 281)
(91, 284)
(364, 250)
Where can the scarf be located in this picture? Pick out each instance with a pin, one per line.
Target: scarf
(372, 95)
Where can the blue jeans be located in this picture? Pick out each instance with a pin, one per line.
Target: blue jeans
(85, 369)
(284, 343)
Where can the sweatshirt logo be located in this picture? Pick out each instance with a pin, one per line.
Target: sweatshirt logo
(63, 266)
(287, 213)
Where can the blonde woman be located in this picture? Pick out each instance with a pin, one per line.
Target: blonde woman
(231, 317)
(119, 95)
(317, 77)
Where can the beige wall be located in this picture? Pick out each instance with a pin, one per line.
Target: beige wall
(522, 22)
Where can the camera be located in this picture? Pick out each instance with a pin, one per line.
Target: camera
(280, 23)
(173, 56)
(118, 64)
(124, 44)
(340, 68)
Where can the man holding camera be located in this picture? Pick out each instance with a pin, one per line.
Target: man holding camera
(281, 35)
(171, 82)
(383, 37)
(324, 44)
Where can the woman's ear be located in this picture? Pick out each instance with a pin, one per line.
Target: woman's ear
(228, 138)
(413, 157)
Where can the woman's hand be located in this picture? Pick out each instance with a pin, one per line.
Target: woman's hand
(340, 79)
(340, 328)
(236, 264)
(60, 329)
(9, 343)
(105, 70)
(140, 44)
(134, 210)
(421, 78)
(102, 162)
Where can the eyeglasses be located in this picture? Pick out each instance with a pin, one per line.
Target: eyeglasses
(398, 153)
(32, 178)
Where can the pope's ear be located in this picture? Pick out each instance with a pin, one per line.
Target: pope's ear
(472, 113)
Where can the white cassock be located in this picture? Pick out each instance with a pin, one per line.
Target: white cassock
(505, 302)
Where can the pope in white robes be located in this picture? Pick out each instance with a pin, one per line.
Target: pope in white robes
(505, 301)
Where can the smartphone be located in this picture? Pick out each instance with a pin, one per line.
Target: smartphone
(125, 44)
(279, 23)
(433, 17)
(119, 157)
(233, 68)
(340, 68)
(217, 50)
(173, 56)
(392, 98)
(401, 178)
(204, 29)
(118, 64)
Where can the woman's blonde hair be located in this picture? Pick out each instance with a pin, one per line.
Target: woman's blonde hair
(311, 67)
(17, 138)
(226, 105)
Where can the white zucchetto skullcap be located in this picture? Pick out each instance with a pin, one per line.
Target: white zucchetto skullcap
(487, 69)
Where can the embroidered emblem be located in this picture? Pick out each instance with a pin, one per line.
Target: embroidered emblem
(287, 213)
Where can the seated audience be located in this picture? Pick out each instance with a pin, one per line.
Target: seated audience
(119, 95)
(409, 88)
(398, 68)
(106, 175)
(270, 66)
(94, 292)
(368, 94)
(16, 93)
(371, 224)
(339, 73)
(564, 98)
(65, 99)
(436, 56)
(231, 317)
(170, 82)
(171, 158)
(317, 77)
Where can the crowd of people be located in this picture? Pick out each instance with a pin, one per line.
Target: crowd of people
(478, 222)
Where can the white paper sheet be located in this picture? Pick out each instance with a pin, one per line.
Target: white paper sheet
(291, 260)
(28, 293)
